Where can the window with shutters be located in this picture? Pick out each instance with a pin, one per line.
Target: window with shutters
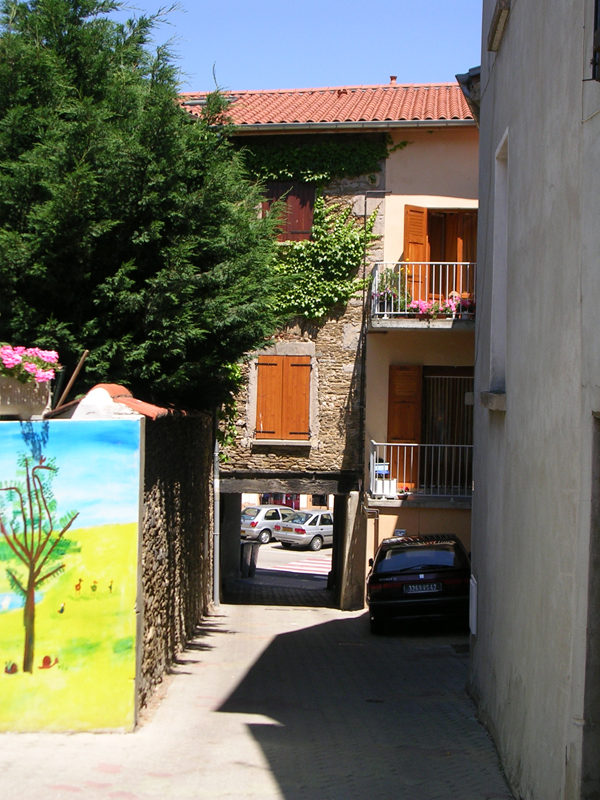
(297, 215)
(283, 398)
(440, 246)
(430, 405)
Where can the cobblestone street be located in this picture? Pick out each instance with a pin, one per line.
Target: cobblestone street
(283, 702)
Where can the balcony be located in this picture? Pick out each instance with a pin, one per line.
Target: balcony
(411, 294)
(426, 470)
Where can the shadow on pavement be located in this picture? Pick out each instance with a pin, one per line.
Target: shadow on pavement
(274, 588)
(362, 716)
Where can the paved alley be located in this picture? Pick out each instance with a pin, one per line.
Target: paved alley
(283, 702)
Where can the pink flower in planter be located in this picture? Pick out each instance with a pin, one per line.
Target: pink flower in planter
(28, 364)
(43, 375)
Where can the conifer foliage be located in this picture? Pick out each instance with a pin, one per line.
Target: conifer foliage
(126, 227)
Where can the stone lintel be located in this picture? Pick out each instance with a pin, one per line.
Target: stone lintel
(296, 483)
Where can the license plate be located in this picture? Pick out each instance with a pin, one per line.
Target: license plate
(285, 528)
(422, 588)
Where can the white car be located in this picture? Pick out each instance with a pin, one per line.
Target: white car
(312, 528)
(258, 522)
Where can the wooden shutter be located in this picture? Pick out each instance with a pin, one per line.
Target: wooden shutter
(269, 397)
(300, 203)
(298, 200)
(296, 397)
(416, 250)
(283, 397)
(404, 404)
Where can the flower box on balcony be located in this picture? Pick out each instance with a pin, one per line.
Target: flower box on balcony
(23, 400)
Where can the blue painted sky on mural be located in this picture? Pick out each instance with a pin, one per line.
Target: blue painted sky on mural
(98, 467)
(283, 45)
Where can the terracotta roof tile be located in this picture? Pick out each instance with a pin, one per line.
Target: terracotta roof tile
(344, 104)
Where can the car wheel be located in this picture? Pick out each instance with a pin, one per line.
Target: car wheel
(287, 545)
(316, 544)
(264, 537)
(377, 626)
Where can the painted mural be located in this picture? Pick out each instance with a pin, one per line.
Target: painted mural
(69, 550)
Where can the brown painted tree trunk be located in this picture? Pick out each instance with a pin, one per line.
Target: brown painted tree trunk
(29, 622)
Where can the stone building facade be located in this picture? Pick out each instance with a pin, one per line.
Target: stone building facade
(432, 162)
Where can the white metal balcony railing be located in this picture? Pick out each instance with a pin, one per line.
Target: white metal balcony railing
(420, 469)
(431, 289)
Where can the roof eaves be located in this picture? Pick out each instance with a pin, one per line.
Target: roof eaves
(293, 127)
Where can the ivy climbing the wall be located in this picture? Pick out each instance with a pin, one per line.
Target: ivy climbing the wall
(316, 159)
(322, 272)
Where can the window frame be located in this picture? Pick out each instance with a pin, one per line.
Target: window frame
(289, 348)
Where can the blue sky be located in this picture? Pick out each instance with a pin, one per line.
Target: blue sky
(98, 467)
(278, 44)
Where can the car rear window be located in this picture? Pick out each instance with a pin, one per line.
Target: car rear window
(249, 513)
(301, 518)
(287, 514)
(422, 556)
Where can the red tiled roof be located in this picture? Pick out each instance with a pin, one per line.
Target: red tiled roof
(345, 104)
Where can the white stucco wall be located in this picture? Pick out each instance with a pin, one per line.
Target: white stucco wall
(531, 505)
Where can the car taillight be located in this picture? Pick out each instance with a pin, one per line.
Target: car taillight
(299, 530)
(253, 524)
(456, 581)
(375, 587)
(277, 527)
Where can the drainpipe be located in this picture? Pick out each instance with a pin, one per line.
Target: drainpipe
(217, 527)
(363, 342)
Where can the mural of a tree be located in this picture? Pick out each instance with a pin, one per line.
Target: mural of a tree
(35, 537)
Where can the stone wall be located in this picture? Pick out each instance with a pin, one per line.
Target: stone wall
(336, 349)
(176, 540)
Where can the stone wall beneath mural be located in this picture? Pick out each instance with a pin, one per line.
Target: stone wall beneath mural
(176, 540)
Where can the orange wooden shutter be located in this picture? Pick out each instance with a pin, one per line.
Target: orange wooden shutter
(404, 404)
(416, 251)
(296, 397)
(269, 397)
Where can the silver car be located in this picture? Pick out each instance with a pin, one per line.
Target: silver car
(258, 521)
(310, 529)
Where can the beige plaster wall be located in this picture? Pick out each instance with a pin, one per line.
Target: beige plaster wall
(418, 521)
(428, 347)
(438, 169)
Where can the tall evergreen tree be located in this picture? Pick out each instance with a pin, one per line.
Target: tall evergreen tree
(126, 227)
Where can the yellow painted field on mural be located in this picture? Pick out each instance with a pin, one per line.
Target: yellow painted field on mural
(85, 639)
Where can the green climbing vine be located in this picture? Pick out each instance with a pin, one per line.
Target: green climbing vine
(322, 272)
(317, 159)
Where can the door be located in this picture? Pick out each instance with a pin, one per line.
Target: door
(404, 422)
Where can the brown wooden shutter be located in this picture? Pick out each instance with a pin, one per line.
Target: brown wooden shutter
(404, 404)
(296, 397)
(269, 397)
(298, 201)
(416, 250)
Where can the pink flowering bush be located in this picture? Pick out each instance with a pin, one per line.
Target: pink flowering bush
(28, 364)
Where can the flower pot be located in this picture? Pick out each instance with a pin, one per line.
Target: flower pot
(23, 400)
